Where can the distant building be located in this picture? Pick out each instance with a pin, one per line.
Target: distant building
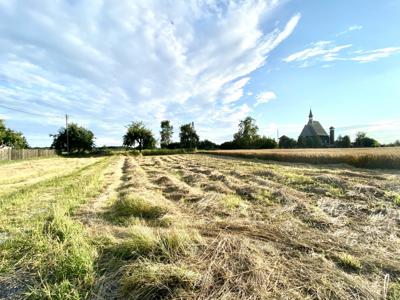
(313, 130)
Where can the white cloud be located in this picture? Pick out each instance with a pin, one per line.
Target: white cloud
(322, 50)
(350, 29)
(264, 97)
(111, 63)
(373, 55)
(327, 51)
(234, 91)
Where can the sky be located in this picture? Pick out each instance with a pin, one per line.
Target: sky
(107, 63)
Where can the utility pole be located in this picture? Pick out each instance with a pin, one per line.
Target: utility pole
(66, 127)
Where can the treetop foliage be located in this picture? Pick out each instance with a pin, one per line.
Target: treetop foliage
(166, 133)
(140, 136)
(188, 136)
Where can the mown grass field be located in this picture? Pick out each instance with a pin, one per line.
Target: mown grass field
(196, 226)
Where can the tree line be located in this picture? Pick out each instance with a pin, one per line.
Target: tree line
(138, 136)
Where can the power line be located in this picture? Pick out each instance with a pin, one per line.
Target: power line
(27, 112)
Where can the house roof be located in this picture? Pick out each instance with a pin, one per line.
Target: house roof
(313, 128)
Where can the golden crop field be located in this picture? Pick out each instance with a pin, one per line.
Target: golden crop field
(359, 157)
(197, 226)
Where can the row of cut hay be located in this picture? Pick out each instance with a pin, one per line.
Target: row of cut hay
(150, 258)
(377, 158)
(148, 152)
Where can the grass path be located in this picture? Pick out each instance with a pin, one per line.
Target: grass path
(90, 213)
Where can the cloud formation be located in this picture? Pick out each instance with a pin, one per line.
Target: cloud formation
(373, 55)
(322, 50)
(264, 97)
(107, 63)
(327, 51)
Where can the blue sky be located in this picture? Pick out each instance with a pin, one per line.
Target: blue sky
(107, 63)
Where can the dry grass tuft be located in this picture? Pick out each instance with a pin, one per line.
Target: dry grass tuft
(134, 206)
(149, 280)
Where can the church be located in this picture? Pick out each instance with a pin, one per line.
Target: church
(313, 129)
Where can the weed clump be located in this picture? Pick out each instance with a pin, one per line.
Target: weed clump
(349, 262)
(231, 201)
(396, 200)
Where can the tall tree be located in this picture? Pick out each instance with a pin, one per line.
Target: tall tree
(80, 139)
(166, 133)
(138, 134)
(247, 133)
(188, 136)
(12, 138)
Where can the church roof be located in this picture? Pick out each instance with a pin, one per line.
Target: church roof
(313, 128)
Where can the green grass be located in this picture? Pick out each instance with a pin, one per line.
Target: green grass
(52, 248)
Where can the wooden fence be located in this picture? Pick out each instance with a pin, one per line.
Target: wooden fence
(13, 154)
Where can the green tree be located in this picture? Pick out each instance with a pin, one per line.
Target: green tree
(80, 139)
(247, 133)
(166, 133)
(343, 142)
(287, 142)
(363, 141)
(188, 136)
(12, 138)
(138, 134)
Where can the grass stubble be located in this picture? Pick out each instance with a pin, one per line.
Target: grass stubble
(200, 227)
